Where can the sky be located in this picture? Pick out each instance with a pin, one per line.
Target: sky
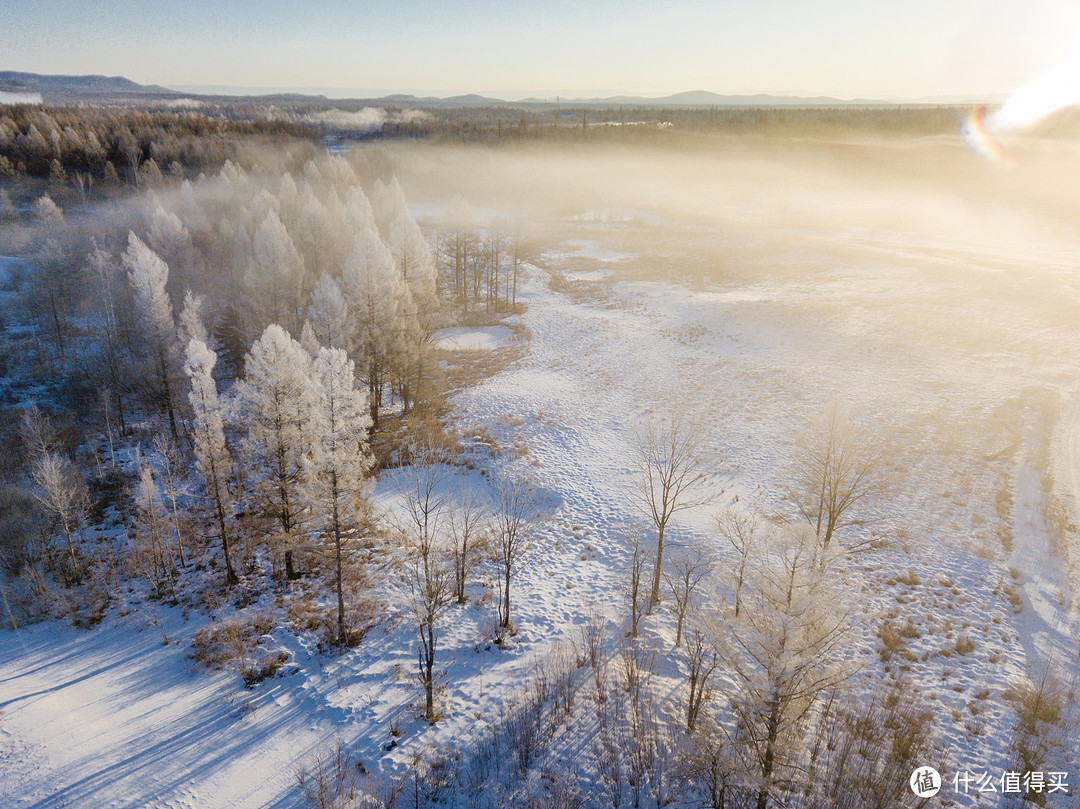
(513, 48)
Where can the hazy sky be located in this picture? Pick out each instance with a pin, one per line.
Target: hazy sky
(844, 48)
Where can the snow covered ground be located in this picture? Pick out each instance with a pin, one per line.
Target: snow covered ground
(466, 339)
(970, 370)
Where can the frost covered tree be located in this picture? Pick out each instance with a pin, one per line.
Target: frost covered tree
(785, 651)
(276, 274)
(168, 237)
(48, 211)
(357, 211)
(191, 319)
(149, 276)
(150, 555)
(60, 490)
(315, 234)
(460, 245)
(337, 460)
(377, 295)
(275, 405)
(309, 341)
(670, 476)
(212, 457)
(387, 202)
(329, 316)
(838, 471)
(414, 261)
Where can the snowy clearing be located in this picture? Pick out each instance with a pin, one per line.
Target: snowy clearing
(466, 339)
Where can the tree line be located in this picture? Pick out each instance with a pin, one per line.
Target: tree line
(88, 146)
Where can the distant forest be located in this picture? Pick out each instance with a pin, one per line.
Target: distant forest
(83, 149)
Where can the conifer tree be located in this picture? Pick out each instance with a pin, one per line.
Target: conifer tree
(377, 294)
(337, 460)
(211, 453)
(275, 401)
(149, 275)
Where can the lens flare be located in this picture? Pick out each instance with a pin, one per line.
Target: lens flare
(1030, 104)
(980, 133)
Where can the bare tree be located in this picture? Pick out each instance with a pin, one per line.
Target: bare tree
(740, 528)
(495, 248)
(39, 435)
(670, 470)
(837, 468)
(522, 251)
(701, 661)
(685, 571)
(428, 577)
(460, 245)
(514, 521)
(465, 521)
(858, 736)
(102, 267)
(430, 591)
(635, 581)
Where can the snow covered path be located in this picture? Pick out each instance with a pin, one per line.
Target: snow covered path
(114, 719)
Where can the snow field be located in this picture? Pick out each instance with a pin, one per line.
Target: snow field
(114, 718)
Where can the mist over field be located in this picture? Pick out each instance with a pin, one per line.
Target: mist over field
(936, 245)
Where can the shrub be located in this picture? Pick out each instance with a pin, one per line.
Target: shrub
(964, 645)
(265, 668)
(328, 780)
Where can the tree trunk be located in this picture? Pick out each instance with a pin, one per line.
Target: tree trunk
(654, 598)
(230, 575)
(506, 600)
(770, 752)
(342, 638)
(429, 674)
